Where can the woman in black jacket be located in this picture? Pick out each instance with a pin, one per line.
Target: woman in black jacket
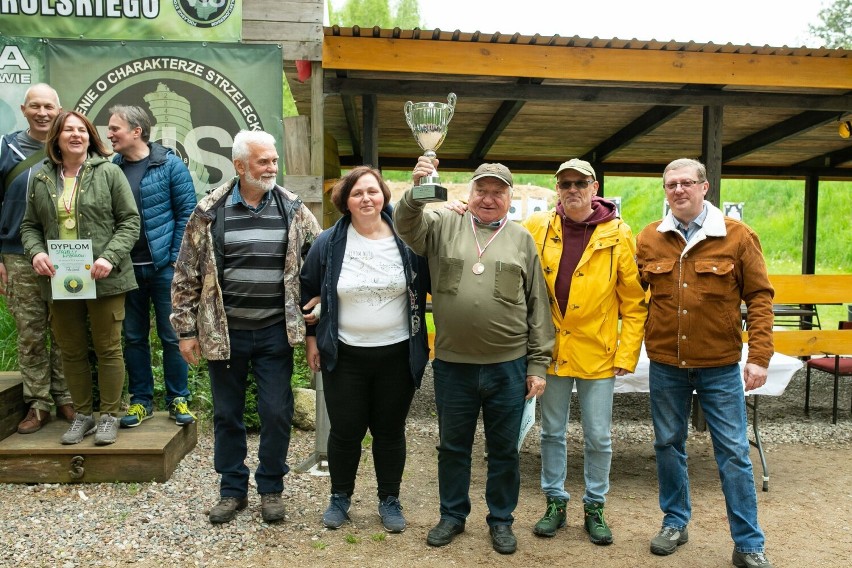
(370, 340)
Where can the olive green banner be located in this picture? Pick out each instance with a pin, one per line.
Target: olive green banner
(198, 95)
(181, 20)
(21, 66)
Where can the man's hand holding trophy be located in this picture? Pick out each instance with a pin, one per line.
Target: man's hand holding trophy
(428, 123)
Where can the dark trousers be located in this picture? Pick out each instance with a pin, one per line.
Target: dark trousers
(370, 387)
(267, 355)
(461, 390)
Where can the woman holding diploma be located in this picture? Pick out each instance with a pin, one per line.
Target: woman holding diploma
(81, 196)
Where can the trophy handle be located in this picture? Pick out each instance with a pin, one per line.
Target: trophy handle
(407, 109)
(451, 100)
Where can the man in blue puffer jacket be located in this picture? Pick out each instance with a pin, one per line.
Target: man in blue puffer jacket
(165, 197)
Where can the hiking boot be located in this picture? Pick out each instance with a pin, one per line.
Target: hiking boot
(750, 560)
(337, 512)
(33, 421)
(66, 411)
(82, 426)
(503, 539)
(271, 507)
(179, 411)
(595, 524)
(136, 414)
(554, 517)
(444, 532)
(390, 510)
(226, 509)
(668, 539)
(107, 430)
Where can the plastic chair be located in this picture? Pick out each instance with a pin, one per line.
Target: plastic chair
(836, 365)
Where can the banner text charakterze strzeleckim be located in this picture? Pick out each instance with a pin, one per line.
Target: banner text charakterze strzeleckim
(149, 9)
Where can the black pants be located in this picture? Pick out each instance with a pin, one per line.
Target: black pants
(370, 387)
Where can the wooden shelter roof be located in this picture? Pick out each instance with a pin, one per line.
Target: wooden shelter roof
(628, 106)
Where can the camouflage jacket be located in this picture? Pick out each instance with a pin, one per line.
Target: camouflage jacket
(197, 306)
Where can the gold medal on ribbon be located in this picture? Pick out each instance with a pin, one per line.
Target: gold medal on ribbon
(70, 223)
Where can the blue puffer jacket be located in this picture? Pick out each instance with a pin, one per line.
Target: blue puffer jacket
(168, 199)
(321, 272)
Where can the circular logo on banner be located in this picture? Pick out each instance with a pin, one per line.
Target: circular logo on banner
(195, 111)
(204, 13)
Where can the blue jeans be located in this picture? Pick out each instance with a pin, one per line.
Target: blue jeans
(595, 397)
(720, 393)
(155, 286)
(461, 390)
(267, 355)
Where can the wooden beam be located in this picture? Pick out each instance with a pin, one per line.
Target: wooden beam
(711, 151)
(829, 160)
(370, 130)
(649, 121)
(812, 342)
(501, 119)
(584, 63)
(350, 113)
(785, 129)
(408, 85)
(809, 229)
(809, 288)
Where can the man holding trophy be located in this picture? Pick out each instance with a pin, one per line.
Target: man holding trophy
(493, 343)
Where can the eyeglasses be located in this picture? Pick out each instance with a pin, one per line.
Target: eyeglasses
(582, 184)
(685, 185)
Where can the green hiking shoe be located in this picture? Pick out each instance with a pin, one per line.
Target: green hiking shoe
(595, 524)
(554, 518)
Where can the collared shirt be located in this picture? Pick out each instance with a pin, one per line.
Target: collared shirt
(237, 197)
(689, 230)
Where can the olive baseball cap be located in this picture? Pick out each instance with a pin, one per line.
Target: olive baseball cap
(581, 166)
(498, 171)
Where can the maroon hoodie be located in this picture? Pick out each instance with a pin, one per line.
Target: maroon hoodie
(575, 238)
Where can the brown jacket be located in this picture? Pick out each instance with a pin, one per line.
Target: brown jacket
(694, 317)
(198, 310)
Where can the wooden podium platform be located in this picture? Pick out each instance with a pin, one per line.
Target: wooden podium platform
(150, 452)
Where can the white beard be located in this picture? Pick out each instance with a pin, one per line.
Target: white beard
(266, 184)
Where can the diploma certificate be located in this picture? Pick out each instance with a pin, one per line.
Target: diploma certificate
(72, 260)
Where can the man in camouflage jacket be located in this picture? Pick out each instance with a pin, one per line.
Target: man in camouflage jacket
(235, 296)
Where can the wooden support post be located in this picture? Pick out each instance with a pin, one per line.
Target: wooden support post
(711, 151)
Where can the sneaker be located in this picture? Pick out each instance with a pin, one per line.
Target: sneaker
(668, 539)
(82, 426)
(179, 411)
(107, 430)
(226, 509)
(444, 532)
(271, 507)
(136, 414)
(750, 560)
(390, 510)
(337, 512)
(554, 517)
(595, 524)
(503, 539)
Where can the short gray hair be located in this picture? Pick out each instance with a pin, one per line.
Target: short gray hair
(244, 138)
(42, 86)
(136, 117)
(700, 169)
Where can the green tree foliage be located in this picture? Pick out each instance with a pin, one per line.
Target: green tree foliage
(369, 13)
(835, 27)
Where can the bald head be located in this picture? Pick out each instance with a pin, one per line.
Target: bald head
(41, 105)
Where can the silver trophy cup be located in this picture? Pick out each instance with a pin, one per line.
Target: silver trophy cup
(428, 123)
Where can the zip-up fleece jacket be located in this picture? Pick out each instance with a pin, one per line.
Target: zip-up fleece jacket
(321, 273)
(105, 212)
(13, 199)
(198, 309)
(605, 283)
(497, 316)
(694, 317)
(168, 198)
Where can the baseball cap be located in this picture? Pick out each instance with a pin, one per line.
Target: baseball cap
(581, 166)
(498, 171)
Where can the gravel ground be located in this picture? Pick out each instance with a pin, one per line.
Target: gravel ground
(117, 524)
